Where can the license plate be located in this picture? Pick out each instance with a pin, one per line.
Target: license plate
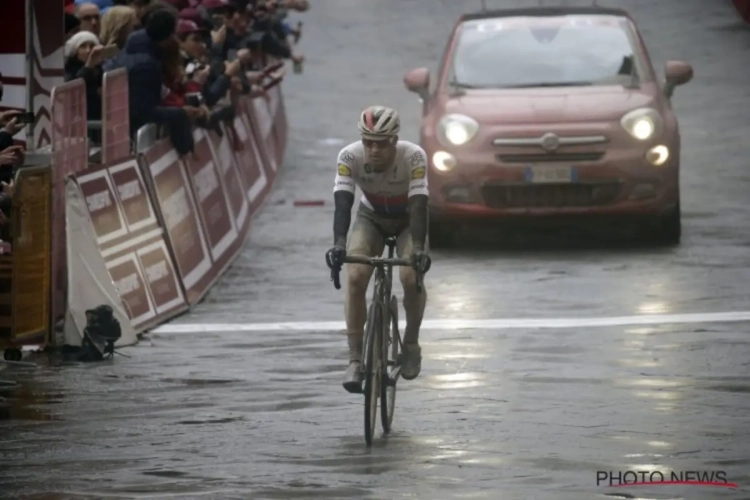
(550, 174)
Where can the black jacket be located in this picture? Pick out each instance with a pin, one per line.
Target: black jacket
(142, 60)
(75, 68)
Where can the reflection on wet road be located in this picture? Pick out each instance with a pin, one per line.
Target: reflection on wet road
(512, 413)
(497, 414)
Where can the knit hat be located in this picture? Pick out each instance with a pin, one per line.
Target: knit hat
(75, 42)
(160, 25)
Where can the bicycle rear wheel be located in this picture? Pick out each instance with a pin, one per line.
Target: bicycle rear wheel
(373, 369)
(391, 348)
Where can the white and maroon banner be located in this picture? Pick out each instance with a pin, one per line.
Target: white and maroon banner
(168, 226)
(132, 243)
(182, 222)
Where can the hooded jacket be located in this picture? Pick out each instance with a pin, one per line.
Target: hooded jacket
(143, 62)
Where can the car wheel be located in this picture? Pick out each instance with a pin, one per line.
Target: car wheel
(668, 230)
(441, 234)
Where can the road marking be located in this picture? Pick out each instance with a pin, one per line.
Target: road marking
(469, 324)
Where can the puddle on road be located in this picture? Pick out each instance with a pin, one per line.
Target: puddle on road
(29, 401)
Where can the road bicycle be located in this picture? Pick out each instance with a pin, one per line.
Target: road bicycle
(381, 364)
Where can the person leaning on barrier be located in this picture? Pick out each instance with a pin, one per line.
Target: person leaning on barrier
(272, 34)
(83, 59)
(215, 77)
(143, 59)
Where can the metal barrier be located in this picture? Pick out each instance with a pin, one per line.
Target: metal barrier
(70, 154)
(25, 271)
(31, 252)
(115, 117)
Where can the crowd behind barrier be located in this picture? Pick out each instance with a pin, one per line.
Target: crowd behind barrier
(166, 137)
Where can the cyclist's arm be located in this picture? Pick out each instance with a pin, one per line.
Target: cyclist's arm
(418, 197)
(343, 196)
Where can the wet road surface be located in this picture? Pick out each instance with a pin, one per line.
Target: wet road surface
(517, 413)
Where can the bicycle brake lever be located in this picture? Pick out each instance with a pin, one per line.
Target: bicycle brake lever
(335, 278)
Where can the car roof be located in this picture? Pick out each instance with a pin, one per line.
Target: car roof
(544, 12)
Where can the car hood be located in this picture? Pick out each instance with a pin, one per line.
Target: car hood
(549, 105)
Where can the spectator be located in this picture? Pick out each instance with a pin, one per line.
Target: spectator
(139, 6)
(144, 60)
(83, 59)
(72, 25)
(11, 157)
(273, 35)
(89, 16)
(178, 4)
(192, 14)
(118, 23)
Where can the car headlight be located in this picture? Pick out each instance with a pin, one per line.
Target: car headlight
(643, 123)
(456, 130)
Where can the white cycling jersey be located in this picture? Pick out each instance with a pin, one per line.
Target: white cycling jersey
(388, 192)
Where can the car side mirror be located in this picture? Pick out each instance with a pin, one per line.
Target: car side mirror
(418, 81)
(676, 73)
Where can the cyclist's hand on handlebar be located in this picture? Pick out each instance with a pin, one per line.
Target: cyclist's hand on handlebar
(335, 257)
(421, 262)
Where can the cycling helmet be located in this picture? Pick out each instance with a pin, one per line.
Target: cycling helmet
(379, 122)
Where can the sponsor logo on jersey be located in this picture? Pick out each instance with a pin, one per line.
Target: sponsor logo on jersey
(344, 170)
(416, 159)
(418, 173)
(346, 157)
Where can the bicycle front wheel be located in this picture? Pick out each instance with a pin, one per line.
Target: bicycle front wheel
(390, 349)
(373, 369)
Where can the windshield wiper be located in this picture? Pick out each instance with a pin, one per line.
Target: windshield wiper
(548, 84)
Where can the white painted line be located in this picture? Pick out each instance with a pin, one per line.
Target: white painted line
(468, 324)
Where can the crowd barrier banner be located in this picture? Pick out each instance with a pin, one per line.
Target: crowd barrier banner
(90, 284)
(743, 9)
(132, 242)
(232, 181)
(174, 198)
(115, 117)
(32, 221)
(264, 122)
(277, 110)
(250, 156)
(69, 155)
(166, 226)
(211, 197)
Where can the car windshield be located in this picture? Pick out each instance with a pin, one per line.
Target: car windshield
(544, 52)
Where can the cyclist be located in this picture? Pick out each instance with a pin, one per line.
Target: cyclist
(392, 175)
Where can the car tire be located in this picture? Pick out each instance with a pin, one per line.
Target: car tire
(668, 230)
(441, 234)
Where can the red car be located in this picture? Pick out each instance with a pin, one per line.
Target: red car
(551, 112)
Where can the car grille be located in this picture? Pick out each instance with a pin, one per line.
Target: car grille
(549, 195)
(551, 157)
